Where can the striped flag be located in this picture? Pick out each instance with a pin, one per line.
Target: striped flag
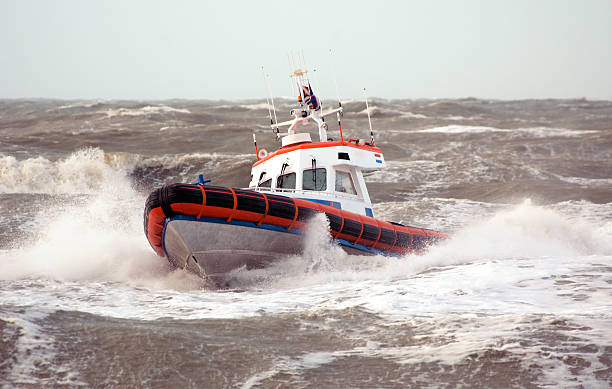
(310, 98)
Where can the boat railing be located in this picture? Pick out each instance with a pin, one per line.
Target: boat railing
(307, 192)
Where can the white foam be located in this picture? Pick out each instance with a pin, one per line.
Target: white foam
(472, 292)
(144, 111)
(375, 110)
(292, 366)
(79, 105)
(214, 161)
(427, 171)
(497, 257)
(452, 341)
(36, 353)
(94, 237)
(587, 182)
(84, 171)
(252, 107)
(500, 262)
(538, 132)
(434, 212)
(88, 170)
(98, 237)
(414, 115)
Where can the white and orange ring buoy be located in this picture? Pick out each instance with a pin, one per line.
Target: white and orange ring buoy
(262, 153)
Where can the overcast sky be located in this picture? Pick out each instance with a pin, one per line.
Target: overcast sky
(146, 49)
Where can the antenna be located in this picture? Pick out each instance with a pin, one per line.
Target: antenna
(303, 62)
(304, 66)
(339, 113)
(275, 120)
(255, 143)
(290, 72)
(369, 120)
(263, 75)
(316, 80)
(335, 80)
(297, 73)
(267, 84)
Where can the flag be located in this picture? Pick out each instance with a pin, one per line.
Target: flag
(310, 98)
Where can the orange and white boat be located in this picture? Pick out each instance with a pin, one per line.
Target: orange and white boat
(211, 230)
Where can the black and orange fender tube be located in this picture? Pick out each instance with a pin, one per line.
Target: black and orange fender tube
(256, 207)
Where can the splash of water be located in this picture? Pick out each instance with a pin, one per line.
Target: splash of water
(86, 171)
(523, 231)
(89, 170)
(97, 236)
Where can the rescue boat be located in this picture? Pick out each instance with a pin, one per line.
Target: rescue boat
(211, 230)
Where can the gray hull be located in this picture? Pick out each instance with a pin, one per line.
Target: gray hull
(211, 249)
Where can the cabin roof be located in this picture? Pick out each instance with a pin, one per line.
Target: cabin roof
(318, 145)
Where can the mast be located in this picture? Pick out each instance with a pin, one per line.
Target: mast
(340, 112)
(255, 143)
(297, 73)
(369, 120)
(269, 93)
(263, 76)
(309, 108)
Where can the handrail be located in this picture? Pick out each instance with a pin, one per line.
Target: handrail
(306, 192)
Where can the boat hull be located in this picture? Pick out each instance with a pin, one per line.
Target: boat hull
(211, 230)
(210, 248)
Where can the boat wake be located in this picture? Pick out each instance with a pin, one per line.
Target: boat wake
(520, 232)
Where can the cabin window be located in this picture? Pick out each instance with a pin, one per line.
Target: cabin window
(286, 181)
(266, 184)
(261, 177)
(314, 179)
(344, 182)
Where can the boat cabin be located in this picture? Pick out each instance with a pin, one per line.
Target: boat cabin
(326, 172)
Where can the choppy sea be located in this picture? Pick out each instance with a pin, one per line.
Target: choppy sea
(520, 296)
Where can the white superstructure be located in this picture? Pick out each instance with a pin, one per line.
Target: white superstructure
(329, 172)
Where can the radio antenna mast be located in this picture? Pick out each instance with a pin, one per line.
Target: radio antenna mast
(263, 76)
(291, 85)
(297, 73)
(267, 85)
(316, 80)
(339, 113)
(369, 120)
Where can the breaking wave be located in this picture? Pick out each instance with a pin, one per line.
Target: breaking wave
(144, 111)
(88, 170)
(537, 132)
(85, 171)
(94, 233)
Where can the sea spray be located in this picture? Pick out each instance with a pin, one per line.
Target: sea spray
(322, 261)
(91, 229)
(85, 171)
(521, 231)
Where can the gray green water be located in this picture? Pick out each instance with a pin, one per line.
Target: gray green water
(520, 296)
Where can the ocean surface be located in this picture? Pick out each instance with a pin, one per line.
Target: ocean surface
(520, 296)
